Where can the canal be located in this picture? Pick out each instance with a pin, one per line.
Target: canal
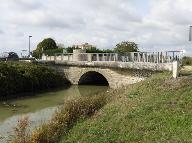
(39, 108)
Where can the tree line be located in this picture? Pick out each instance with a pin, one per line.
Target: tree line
(49, 47)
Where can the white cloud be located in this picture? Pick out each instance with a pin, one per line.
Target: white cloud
(1, 32)
(154, 25)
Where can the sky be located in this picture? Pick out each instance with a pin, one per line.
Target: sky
(155, 25)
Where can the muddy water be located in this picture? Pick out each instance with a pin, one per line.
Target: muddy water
(40, 107)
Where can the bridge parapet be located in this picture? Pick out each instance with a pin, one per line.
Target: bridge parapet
(152, 61)
(144, 57)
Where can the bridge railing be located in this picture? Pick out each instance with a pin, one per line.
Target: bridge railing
(151, 57)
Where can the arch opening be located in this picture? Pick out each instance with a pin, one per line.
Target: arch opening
(93, 78)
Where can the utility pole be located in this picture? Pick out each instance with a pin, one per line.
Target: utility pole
(29, 46)
(190, 33)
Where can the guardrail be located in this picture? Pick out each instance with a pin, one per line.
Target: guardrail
(151, 57)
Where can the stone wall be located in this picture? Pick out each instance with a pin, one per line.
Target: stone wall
(115, 77)
(120, 65)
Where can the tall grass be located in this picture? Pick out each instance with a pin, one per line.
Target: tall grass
(65, 117)
(21, 131)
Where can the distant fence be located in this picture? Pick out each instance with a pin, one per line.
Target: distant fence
(152, 57)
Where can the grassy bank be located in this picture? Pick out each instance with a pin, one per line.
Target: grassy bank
(156, 110)
(17, 77)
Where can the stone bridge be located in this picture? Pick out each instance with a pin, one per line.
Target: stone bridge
(110, 69)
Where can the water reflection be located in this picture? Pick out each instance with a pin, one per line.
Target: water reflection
(39, 108)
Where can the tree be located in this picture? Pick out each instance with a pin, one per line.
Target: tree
(96, 50)
(125, 46)
(46, 44)
(92, 50)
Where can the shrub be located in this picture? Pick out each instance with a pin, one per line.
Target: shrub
(187, 61)
(18, 77)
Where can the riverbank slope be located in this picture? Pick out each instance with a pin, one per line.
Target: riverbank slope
(21, 77)
(158, 109)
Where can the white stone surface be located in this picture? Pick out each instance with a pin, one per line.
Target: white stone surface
(175, 69)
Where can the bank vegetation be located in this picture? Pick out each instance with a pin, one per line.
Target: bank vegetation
(21, 77)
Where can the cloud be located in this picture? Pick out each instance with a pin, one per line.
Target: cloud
(175, 12)
(22, 5)
(1, 32)
(154, 25)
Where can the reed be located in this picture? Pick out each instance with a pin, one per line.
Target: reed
(64, 119)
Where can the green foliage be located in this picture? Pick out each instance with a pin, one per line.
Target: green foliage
(95, 50)
(46, 44)
(70, 49)
(18, 77)
(52, 52)
(187, 61)
(124, 47)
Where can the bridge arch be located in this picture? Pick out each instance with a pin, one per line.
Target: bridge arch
(93, 78)
(115, 77)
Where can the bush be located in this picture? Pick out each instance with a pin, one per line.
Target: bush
(18, 77)
(187, 61)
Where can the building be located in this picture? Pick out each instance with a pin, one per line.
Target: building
(85, 46)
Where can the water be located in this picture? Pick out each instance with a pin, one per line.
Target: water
(40, 107)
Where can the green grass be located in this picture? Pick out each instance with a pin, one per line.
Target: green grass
(158, 109)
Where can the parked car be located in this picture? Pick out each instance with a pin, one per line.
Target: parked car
(11, 56)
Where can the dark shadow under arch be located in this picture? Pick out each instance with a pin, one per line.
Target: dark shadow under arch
(93, 78)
